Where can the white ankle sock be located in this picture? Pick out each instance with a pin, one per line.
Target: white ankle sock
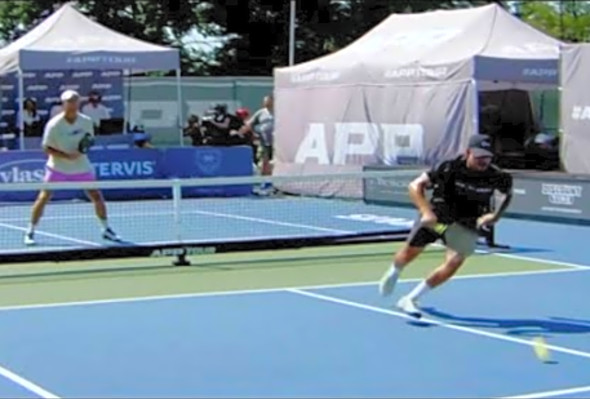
(31, 229)
(419, 290)
(104, 223)
(394, 270)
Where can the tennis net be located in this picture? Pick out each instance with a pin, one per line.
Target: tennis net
(200, 216)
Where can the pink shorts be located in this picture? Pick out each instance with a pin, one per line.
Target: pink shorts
(53, 176)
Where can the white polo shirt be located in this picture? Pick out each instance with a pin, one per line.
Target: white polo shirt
(96, 113)
(65, 137)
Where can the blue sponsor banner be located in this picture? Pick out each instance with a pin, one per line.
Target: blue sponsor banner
(45, 88)
(137, 164)
(210, 162)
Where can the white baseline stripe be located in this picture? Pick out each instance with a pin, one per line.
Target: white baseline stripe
(263, 290)
(26, 384)
(469, 330)
(44, 233)
(550, 394)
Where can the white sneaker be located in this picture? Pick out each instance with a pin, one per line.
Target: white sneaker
(387, 283)
(110, 235)
(409, 307)
(29, 239)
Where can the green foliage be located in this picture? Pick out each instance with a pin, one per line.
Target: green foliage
(567, 20)
(250, 37)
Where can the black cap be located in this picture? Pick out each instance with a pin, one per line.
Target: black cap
(481, 145)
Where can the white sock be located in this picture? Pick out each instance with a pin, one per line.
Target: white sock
(394, 271)
(104, 223)
(419, 290)
(31, 229)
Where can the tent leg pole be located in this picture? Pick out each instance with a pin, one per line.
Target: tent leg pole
(475, 120)
(21, 119)
(179, 100)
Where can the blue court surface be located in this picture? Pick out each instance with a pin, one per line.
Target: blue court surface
(475, 339)
(341, 341)
(73, 225)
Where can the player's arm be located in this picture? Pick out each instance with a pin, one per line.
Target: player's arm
(250, 123)
(505, 190)
(417, 190)
(50, 147)
(57, 153)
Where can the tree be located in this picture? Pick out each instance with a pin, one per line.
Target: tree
(323, 26)
(566, 20)
(18, 17)
(242, 37)
(152, 21)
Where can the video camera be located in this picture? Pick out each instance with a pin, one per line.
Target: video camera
(216, 126)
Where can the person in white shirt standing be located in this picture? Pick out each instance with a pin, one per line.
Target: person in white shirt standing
(63, 141)
(95, 110)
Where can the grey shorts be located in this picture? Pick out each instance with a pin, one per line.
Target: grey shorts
(456, 237)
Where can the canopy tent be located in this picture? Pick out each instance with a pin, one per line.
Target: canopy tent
(407, 90)
(575, 108)
(68, 40)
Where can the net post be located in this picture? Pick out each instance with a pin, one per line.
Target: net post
(176, 202)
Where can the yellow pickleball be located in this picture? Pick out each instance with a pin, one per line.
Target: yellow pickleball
(541, 349)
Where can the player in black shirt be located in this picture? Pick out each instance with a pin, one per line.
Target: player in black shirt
(459, 208)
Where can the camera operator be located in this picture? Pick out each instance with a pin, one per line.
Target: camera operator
(216, 126)
(221, 128)
(194, 130)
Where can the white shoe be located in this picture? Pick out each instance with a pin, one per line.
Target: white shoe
(110, 235)
(29, 239)
(408, 306)
(387, 283)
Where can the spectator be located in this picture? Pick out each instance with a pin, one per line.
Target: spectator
(194, 130)
(95, 109)
(215, 126)
(244, 114)
(56, 108)
(142, 140)
(262, 125)
(31, 118)
(222, 128)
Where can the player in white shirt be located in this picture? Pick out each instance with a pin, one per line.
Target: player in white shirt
(67, 161)
(95, 110)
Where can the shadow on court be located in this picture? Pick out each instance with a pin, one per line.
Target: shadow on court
(516, 327)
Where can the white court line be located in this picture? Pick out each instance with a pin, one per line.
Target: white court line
(26, 384)
(468, 330)
(48, 395)
(44, 233)
(148, 298)
(550, 394)
(338, 231)
(272, 222)
(542, 260)
(287, 224)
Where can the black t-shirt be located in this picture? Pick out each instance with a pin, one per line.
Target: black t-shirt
(461, 194)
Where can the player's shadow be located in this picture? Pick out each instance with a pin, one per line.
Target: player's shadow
(516, 327)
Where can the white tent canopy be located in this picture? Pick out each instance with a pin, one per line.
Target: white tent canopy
(575, 108)
(408, 87)
(485, 43)
(68, 40)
